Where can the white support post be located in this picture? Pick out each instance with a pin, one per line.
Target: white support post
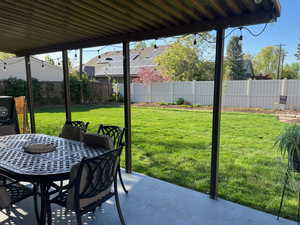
(283, 92)
(283, 87)
(132, 92)
(150, 92)
(172, 91)
(194, 92)
(248, 93)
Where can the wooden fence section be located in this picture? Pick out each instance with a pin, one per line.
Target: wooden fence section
(237, 93)
(51, 93)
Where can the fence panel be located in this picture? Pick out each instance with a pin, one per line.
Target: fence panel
(183, 89)
(293, 93)
(237, 93)
(265, 93)
(140, 93)
(204, 93)
(161, 92)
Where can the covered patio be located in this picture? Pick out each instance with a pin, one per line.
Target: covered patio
(152, 201)
(36, 27)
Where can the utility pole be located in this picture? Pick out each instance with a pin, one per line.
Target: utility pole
(280, 60)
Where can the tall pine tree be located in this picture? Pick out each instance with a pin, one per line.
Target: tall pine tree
(235, 59)
(298, 52)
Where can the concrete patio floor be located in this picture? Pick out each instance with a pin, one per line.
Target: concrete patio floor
(154, 202)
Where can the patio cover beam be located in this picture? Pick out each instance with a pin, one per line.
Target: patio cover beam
(200, 26)
(218, 80)
(127, 106)
(67, 94)
(30, 93)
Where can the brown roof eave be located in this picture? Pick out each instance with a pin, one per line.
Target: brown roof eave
(201, 26)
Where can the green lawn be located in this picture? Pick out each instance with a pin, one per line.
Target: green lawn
(174, 145)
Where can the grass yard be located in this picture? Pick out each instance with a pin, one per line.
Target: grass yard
(174, 145)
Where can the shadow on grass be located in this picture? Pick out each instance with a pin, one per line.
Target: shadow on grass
(75, 108)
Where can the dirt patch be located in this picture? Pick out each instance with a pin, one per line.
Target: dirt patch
(286, 116)
(226, 109)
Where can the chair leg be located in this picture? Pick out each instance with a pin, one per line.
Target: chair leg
(118, 203)
(121, 180)
(283, 193)
(35, 201)
(79, 219)
(49, 212)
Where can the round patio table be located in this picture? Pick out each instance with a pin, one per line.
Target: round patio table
(41, 169)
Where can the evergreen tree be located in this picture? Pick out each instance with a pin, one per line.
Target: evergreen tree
(235, 59)
(298, 52)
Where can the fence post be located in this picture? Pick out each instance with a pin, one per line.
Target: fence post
(194, 91)
(172, 91)
(150, 92)
(132, 92)
(248, 93)
(284, 87)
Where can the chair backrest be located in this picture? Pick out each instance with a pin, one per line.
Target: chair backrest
(8, 116)
(115, 132)
(96, 175)
(80, 124)
(74, 130)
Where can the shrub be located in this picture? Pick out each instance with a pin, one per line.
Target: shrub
(17, 87)
(179, 101)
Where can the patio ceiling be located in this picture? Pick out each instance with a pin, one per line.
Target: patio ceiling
(38, 26)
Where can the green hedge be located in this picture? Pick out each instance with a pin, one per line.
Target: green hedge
(18, 87)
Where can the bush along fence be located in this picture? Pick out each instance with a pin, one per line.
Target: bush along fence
(268, 94)
(51, 93)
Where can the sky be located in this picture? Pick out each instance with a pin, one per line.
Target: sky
(285, 31)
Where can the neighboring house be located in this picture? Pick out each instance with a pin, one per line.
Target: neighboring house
(110, 64)
(43, 71)
(248, 68)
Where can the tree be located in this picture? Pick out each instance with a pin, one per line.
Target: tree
(4, 55)
(49, 60)
(148, 75)
(298, 52)
(291, 71)
(266, 61)
(140, 45)
(235, 59)
(184, 60)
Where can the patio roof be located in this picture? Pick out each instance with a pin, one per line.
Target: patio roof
(30, 27)
(37, 26)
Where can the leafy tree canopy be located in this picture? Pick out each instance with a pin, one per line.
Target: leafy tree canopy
(185, 60)
(49, 60)
(4, 55)
(291, 71)
(150, 75)
(266, 61)
(140, 45)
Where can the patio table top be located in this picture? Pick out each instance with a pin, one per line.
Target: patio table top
(15, 161)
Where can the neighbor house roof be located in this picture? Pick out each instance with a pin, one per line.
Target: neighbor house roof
(248, 67)
(38, 26)
(111, 63)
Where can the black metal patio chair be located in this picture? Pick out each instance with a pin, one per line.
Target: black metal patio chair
(12, 192)
(73, 130)
(90, 185)
(117, 135)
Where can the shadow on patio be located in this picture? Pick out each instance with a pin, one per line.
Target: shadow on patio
(153, 202)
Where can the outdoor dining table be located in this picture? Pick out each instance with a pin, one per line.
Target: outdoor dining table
(41, 169)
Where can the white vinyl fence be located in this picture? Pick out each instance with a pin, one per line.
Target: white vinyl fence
(237, 93)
